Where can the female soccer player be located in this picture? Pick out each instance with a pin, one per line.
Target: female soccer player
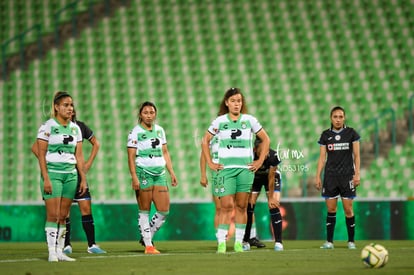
(234, 129)
(148, 157)
(339, 154)
(59, 147)
(270, 178)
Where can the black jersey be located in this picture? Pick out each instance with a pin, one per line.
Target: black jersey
(87, 133)
(339, 149)
(271, 160)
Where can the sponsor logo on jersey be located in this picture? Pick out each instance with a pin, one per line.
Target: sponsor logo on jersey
(338, 146)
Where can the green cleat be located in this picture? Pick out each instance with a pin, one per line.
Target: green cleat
(221, 249)
(238, 247)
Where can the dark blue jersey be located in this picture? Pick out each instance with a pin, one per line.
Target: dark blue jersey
(339, 146)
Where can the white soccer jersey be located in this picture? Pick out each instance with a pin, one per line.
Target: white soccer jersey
(149, 154)
(62, 140)
(235, 139)
(214, 146)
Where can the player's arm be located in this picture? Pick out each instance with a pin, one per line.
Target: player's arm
(207, 154)
(357, 163)
(265, 144)
(132, 152)
(94, 151)
(321, 165)
(42, 149)
(203, 171)
(273, 202)
(168, 164)
(35, 149)
(80, 165)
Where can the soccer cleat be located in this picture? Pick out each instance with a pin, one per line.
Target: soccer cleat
(246, 246)
(221, 248)
(67, 250)
(151, 250)
(327, 245)
(238, 247)
(278, 246)
(255, 242)
(64, 258)
(53, 257)
(351, 245)
(95, 249)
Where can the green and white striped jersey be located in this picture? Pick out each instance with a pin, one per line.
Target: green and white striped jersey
(62, 140)
(235, 139)
(149, 154)
(214, 146)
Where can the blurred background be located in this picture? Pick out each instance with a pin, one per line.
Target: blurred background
(293, 59)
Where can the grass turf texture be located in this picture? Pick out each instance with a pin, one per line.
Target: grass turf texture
(199, 257)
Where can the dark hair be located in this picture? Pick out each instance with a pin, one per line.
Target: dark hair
(229, 93)
(336, 108)
(141, 107)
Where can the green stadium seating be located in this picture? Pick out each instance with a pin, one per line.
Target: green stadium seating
(294, 60)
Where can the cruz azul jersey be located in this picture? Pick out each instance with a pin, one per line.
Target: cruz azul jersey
(339, 149)
(235, 139)
(149, 148)
(62, 140)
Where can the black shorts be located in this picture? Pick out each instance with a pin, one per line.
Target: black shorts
(85, 196)
(335, 186)
(262, 181)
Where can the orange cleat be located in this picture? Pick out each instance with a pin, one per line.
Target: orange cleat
(151, 250)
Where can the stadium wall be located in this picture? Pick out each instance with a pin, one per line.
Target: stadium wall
(379, 220)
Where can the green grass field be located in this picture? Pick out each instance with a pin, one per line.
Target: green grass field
(199, 257)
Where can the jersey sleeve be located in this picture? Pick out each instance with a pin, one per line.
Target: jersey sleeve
(214, 126)
(78, 134)
(322, 139)
(163, 137)
(43, 132)
(132, 139)
(256, 126)
(355, 136)
(274, 158)
(87, 133)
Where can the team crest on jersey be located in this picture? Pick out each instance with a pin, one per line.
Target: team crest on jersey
(159, 133)
(243, 125)
(337, 137)
(74, 130)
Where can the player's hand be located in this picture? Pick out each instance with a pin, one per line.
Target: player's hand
(174, 181)
(273, 202)
(47, 187)
(204, 181)
(255, 165)
(135, 184)
(356, 180)
(318, 183)
(82, 187)
(215, 166)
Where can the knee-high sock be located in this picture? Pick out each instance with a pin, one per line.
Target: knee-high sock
(157, 221)
(51, 231)
(350, 226)
(250, 211)
(67, 237)
(240, 231)
(144, 227)
(89, 228)
(222, 231)
(61, 238)
(276, 219)
(330, 225)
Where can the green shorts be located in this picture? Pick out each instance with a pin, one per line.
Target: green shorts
(213, 179)
(233, 180)
(63, 185)
(147, 180)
